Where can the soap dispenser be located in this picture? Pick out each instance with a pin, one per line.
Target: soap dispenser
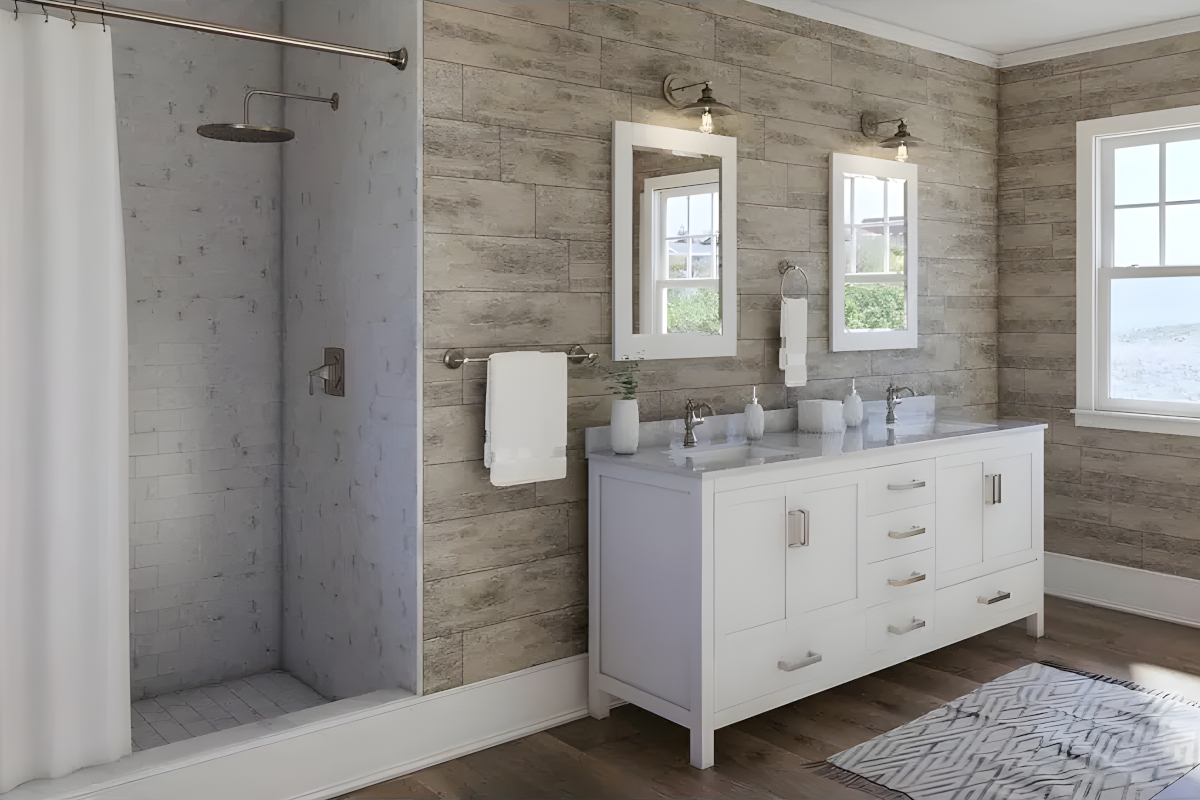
(755, 419)
(852, 407)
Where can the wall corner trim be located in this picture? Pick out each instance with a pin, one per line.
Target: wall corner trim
(324, 760)
(1134, 591)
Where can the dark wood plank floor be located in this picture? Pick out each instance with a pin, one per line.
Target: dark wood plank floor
(635, 754)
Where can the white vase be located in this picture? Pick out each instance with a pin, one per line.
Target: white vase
(624, 430)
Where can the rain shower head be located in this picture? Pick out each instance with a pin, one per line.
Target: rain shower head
(258, 134)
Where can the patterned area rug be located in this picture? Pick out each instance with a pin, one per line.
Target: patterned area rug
(1039, 733)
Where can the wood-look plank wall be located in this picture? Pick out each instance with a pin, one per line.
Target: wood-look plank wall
(1116, 496)
(519, 102)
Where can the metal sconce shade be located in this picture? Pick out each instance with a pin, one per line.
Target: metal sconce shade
(869, 124)
(706, 103)
(901, 136)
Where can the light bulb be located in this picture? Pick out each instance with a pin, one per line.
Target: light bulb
(902, 152)
(706, 122)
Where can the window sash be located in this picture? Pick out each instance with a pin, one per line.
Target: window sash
(661, 256)
(1105, 273)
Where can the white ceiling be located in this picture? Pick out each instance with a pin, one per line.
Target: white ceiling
(1006, 32)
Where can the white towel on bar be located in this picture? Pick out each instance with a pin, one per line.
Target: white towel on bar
(525, 418)
(793, 341)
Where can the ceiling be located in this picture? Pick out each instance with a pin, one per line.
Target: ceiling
(1006, 32)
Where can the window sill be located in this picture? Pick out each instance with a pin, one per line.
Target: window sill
(1144, 423)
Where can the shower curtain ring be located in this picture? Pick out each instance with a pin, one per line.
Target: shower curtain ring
(47, 13)
(16, 9)
(102, 28)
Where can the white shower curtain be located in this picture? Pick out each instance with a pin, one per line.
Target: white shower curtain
(64, 495)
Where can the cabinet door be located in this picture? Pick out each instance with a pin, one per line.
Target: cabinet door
(1008, 505)
(959, 528)
(751, 540)
(822, 562)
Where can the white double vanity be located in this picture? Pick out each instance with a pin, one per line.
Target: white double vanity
(734, 577)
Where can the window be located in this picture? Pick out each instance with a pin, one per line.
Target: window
(1139, 272)
(681, 229)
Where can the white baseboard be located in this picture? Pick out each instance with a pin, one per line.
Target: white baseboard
(1136, 591)
(342, 753)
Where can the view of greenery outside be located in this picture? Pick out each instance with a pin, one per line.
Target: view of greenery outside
(875, 306)
(693, 311)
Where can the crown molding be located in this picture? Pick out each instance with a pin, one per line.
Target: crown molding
(1102, 41)
(898, 33)
(884, 30)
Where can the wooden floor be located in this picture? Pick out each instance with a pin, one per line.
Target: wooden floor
(634, 754)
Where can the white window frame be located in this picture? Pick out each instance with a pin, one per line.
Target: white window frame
(655, 281)
(841, 339)
(649, 345)
(1095, 142)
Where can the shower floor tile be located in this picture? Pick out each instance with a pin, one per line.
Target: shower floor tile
(194, 712)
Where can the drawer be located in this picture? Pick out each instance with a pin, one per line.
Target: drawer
(751, 666)
(970, 605)
(901, 625)
(896, 579)
(900, 486)
(896, 533)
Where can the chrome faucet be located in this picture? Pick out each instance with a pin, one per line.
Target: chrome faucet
(893, 399)
(692, 417)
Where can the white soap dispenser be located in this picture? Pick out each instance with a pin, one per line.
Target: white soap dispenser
(852, 407)
(755, 419)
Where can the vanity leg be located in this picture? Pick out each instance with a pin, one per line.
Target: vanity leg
(1035, 624)
(598, 703)
(703, 748)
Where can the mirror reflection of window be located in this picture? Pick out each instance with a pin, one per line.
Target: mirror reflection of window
(681, 232)
(875, 257)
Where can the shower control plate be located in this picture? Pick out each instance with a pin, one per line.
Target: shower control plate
(336, 383)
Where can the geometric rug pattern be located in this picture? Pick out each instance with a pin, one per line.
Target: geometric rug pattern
(1039, 733)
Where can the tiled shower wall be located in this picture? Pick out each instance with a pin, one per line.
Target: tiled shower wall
(1115, 496)
(203, 254)
(519, 104)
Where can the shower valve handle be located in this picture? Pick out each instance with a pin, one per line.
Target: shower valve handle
(332, 373)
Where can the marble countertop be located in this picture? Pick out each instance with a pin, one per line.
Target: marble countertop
(723, 446)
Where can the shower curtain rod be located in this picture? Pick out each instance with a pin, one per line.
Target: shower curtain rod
(397, 58)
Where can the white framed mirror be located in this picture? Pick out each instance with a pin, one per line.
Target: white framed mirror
(674, 243)
(872, 253)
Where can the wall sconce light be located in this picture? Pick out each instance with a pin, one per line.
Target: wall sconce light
(705, 108)
(901, 140)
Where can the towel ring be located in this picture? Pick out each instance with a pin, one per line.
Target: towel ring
(784, 268)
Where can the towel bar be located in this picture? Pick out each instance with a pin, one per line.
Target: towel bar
(455, 358)
(784, 268)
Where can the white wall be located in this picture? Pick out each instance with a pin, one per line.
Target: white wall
(202, 240)
(352, 596)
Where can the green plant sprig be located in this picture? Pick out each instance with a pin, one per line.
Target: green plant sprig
(622, 379)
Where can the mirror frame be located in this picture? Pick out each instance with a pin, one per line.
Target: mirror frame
(628, 345)
(841, 339)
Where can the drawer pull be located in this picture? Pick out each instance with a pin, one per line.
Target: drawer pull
(906, 534)
(987, 601)
(912, 626)
(898, 487)
(916, 576)
(797, 528)
(812, 658)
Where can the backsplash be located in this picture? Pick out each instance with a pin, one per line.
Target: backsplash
(519, 103)
(1116, 496)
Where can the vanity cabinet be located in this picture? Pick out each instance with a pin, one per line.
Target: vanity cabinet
(718, 595)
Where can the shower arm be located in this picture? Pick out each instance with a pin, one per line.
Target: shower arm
(332, 101)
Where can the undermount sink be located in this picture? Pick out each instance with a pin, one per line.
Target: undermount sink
(725, 454)
(932, 427)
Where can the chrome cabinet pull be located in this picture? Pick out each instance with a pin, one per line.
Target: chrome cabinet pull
(914, 625)
(987, 601)
(797, 528)
(906, 534)
(997, 481)
(792, 666)
(899, 487)
(916, 576)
